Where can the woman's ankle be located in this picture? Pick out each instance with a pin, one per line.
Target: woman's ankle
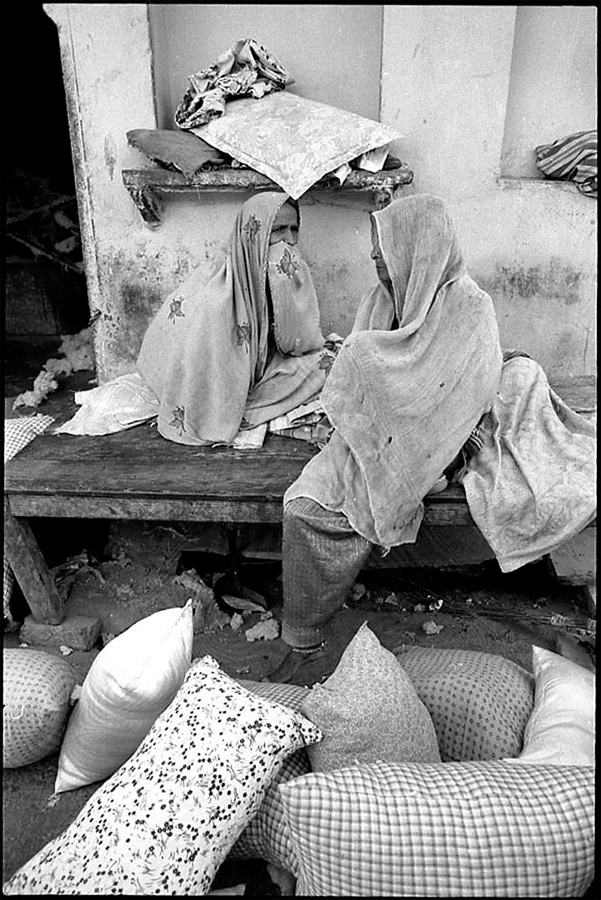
(321, 645)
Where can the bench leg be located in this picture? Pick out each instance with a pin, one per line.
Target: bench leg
(31, 570)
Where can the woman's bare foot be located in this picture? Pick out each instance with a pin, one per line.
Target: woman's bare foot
(302, 668)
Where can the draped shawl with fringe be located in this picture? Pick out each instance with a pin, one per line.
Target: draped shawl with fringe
(205, 353)
(404, 401)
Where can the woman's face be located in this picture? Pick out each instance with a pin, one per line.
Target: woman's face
(376, 255)
(285, 226)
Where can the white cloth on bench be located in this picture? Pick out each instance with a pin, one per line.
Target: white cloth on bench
(119, 404)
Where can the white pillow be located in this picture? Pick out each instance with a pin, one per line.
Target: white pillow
(292, 140)
(561, 729)
(37, 689)
(165, 821)
(131, 681)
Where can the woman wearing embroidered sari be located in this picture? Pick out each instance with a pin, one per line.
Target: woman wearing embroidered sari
(226, 352)
(243, 347)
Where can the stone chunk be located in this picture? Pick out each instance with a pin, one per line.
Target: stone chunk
(77, 632)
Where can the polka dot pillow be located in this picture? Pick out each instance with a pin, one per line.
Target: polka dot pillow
(37, 691)
(165, 821)
(479, 702)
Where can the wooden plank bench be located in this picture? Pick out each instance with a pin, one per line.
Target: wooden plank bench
(138, 475)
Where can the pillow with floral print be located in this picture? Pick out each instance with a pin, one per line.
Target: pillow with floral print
(166, 820)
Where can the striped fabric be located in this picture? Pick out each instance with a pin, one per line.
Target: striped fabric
(572, 158)
(443, 830)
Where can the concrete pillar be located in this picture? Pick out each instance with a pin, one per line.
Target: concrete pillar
(107, 71)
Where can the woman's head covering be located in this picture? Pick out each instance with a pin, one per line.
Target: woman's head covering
(421, 251)
(405, 400)
(207, 347)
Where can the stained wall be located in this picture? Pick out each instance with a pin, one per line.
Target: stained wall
(442, 76)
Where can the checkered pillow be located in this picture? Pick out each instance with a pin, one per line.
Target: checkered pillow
(17, 434)
(266, 835)
(479, 702)
(455, 829)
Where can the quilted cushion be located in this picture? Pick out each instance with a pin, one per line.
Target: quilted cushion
(369, 710)
(129, 684)
(165, 821)
(479, 702)
(477, 829)
(37, 690)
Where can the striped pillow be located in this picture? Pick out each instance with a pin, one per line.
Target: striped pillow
(572, 158)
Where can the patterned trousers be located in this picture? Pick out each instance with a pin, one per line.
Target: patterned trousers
(322, 557)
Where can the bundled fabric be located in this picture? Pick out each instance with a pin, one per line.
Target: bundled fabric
(207, 353)
(572, 158)
(176, 150)
(247, 69)
(533, 485)
(404, 401)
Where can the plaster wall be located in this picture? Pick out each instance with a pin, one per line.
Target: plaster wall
(446, 74)
(107, 65)
(447, 78)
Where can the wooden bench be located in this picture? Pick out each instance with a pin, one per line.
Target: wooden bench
(138, 475)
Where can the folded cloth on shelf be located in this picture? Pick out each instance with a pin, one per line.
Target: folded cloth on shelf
(247, 69)
(532, 486)
(571, 158)
(179, 150)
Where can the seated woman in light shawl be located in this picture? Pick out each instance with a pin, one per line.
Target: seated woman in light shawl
(420, 388)
(231, 351)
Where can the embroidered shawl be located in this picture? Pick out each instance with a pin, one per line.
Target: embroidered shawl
(206, 352)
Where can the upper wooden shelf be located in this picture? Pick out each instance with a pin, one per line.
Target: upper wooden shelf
(147, 186)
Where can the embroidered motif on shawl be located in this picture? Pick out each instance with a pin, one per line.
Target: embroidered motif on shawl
(295, 306)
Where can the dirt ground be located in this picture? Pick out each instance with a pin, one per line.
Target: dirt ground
(122, 576)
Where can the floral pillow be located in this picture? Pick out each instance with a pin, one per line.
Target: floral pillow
(166, 820)
(369, 710)
(292, 140)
